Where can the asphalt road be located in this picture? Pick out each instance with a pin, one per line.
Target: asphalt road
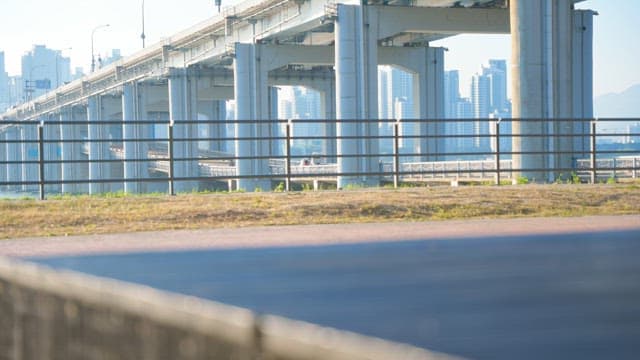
(566, 296)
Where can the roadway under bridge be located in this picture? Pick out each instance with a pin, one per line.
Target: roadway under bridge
(332, 47)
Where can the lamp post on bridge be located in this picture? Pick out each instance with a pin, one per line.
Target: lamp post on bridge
(93, 57)
(143, 36)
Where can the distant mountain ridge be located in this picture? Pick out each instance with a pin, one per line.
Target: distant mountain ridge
(619, 105)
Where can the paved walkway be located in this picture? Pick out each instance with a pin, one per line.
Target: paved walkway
(306, 235)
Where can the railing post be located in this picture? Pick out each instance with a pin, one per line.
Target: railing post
(41, 159)
(498, 151)
(635, 167)
(288, 159)
(396, 153)
(172, 191)
(593, 151)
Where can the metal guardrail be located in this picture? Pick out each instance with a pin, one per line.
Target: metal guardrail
(38, 158)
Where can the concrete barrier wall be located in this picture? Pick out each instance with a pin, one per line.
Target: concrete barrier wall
(50, 314)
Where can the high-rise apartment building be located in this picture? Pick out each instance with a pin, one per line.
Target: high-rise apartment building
(451, 93)
(5, 94)
(103, 61)
(489, 98)
(43, 70)
(481, 100)
(394, 84)
(301, 103)
(632, 134)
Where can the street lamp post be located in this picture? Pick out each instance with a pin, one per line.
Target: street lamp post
(143, 36)
(93, 56)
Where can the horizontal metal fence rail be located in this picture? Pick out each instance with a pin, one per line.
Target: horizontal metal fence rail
(31, 153)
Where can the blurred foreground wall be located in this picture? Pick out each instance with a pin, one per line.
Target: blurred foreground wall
(50, 314)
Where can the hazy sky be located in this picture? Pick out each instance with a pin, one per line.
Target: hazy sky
(61, 24)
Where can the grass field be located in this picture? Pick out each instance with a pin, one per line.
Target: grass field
(113, 213)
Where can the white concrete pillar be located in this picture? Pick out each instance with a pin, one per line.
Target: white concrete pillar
(215, 112)
(183, 112)
(112, 112)
(29, 137)
(276, 147)
(560, 82)
(328, 104)
(356, 65)
(134, 146)
(14, 154)
(552, 79)
(52, 153)
(530, 98)
(582, 84)
(98, 149)
(252, 104)
(429, 89)
(70, 151)
(426, 64)
(532, 101)
(3, 157)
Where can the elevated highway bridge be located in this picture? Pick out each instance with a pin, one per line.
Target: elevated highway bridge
(335, 48)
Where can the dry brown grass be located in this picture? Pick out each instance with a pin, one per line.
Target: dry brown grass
(93, 215)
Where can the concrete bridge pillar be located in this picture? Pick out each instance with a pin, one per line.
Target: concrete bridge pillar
(70, 151)
(29, 137)
(328, 102)
(3, 157)
(252, 112)
(582, 81)
(133, 110)
(426, 64)
(98, 148)
(356, 64)
(14, 153)
(552, 69)
(276, 147)
(52, 152)
(327, 90)
(429, 87)
(215, 112)
(183, 112)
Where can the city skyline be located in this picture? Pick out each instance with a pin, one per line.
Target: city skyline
(614, 57)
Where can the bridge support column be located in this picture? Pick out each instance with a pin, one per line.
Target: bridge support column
(427, 66)
(327, 89)
(29, 137)
(216, 113)
(356, 64)
(133, 110)
(70, 151)
(429, 85)
(98, 148)
(276, 147)
(549, 58)
(14, 153)
(582, 82)
(252, 112)
(183, 112)
(3, 158)
(53, 152)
